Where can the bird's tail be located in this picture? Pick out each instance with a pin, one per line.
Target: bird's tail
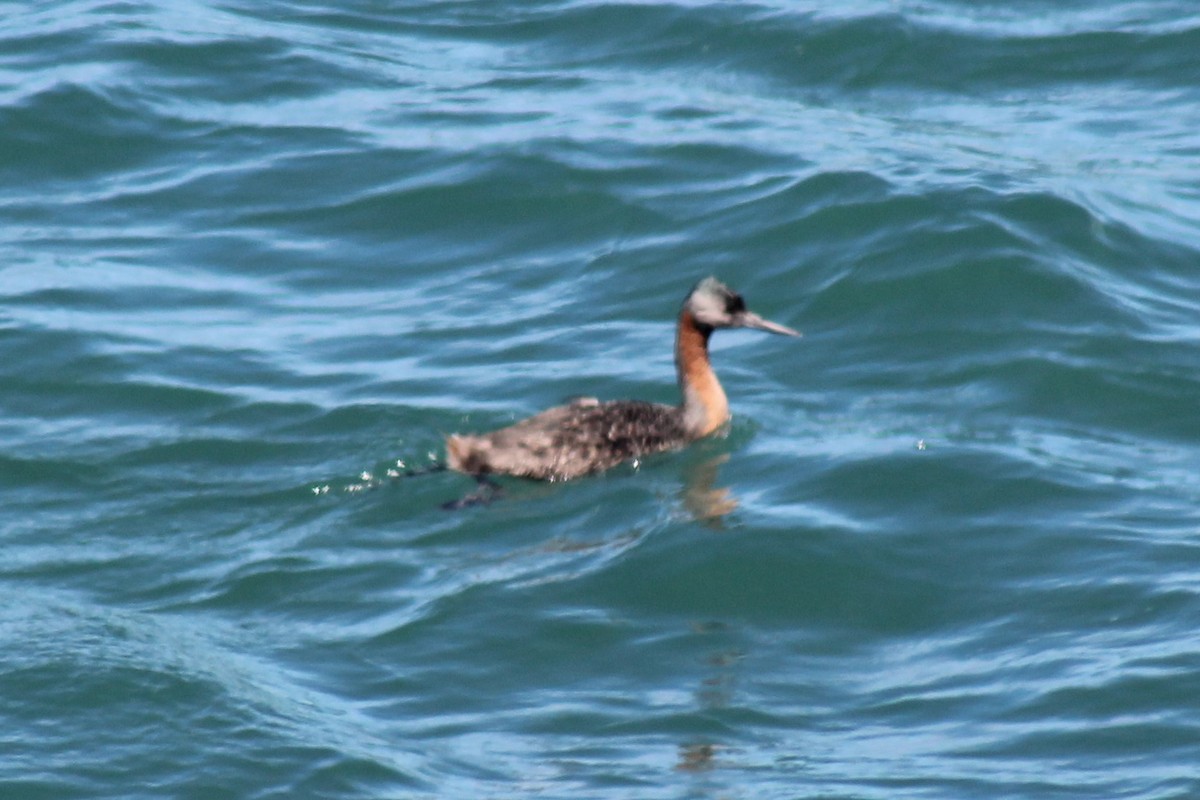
(466, 454)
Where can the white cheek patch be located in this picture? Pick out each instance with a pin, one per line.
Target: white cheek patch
(709, 309)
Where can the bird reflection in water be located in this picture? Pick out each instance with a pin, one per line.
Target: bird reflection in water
(703, 500)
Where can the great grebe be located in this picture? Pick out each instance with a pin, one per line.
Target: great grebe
(586, 436)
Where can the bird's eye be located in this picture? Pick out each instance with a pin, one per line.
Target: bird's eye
(734, 304)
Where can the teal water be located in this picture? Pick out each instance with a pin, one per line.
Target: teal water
(253, 257)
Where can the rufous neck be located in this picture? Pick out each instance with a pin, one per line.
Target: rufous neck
(705, 407)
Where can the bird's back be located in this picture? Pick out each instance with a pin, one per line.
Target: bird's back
(571, 440)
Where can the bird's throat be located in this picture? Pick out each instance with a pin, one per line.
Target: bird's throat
(705, 407)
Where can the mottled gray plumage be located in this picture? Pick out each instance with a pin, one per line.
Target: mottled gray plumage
(569, 441)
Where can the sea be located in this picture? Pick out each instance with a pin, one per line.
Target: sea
(258, 259)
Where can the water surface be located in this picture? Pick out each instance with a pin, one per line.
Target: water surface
(254, 258)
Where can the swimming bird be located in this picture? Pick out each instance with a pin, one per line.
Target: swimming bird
(587, 436)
